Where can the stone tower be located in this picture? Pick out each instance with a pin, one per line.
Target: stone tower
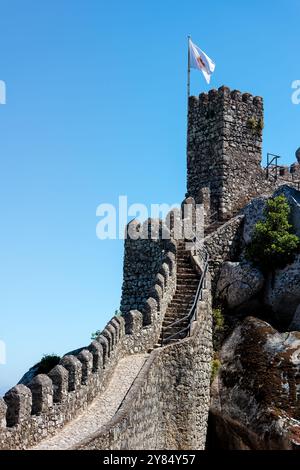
(224, 151)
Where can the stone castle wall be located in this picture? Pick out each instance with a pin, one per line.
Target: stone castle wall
(224, 244)
(167, 407)
(30, 413)
(224, 152)
(145, 260)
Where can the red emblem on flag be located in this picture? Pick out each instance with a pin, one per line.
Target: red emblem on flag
(201, 62)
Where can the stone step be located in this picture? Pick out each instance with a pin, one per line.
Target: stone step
(181, 296)
(186, 292)
(180, 326)
(186, 267)
(168, 321)
(187, 273)
(173, 330)
(175, 315)
(173, 341)
(187, 282)
(178, 316)
(181, 305)
(184, 263)
(183, 300)
(186, 289)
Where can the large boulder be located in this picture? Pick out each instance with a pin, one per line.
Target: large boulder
(293, 197)
(295, 323)
(253, 212)
(282, 292)
(255, 400)
(238, 283)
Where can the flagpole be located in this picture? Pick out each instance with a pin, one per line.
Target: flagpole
(189, 70)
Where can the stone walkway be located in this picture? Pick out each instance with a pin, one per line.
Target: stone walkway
(101, 410)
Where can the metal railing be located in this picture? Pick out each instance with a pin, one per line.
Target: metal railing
(192, 315)
(273, 170)
(271, 157)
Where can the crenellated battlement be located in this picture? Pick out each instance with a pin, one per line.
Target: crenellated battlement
(161, 285)
(30, 413)
(224, 93)
(224, 151)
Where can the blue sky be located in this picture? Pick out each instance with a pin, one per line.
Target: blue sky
(96, 108)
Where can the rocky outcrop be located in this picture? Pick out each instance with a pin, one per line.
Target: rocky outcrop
(255, 398)
(283, 292)
(238, 282)
(29, 375)
(253, 212)
(295, 323)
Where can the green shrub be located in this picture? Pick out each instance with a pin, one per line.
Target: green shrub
(95, 334)
(273, 245)
(252, 123)
(215, 366)
(260, 125)
(219, 328)
(256, 125)
(218, 319)
(47, 363)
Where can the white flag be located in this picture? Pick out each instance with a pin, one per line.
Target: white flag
(199, 60)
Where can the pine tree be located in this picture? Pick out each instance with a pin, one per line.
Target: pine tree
(273, 244)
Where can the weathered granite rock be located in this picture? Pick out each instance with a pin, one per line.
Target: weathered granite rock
(3, 411)
(254, 211)
(238, 282)
(283, 292)
(254, 398)
(29, 375)
(295, 323)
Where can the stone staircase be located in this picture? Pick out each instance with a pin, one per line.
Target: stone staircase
(186, 288)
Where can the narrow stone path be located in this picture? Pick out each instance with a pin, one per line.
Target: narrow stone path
(101, 410)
